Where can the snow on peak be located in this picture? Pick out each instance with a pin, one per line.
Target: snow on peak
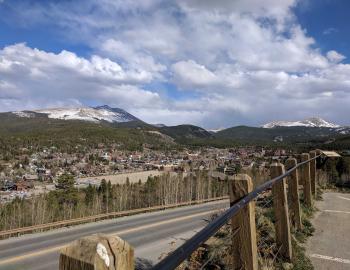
(215, 130)
(309, 122)
(24, 114)
(97, 114)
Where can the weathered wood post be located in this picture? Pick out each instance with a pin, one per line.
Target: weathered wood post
(97, 252)
(280, 203)
(293, 192)
(243, 225)
(306, 180)
(318, 166)
(313, 173)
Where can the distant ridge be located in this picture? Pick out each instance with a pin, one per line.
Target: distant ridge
(159, 125)
(107, 119)
(309, 122)
(90, 114)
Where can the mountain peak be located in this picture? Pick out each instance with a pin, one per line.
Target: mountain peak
(105, 107)
(309, 122)
(90, 114)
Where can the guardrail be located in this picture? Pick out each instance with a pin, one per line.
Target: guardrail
(242, 216)
(63, 223)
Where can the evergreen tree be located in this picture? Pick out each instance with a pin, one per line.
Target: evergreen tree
(66, 181)
(89, 195)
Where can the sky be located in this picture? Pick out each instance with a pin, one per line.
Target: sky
(215, 64)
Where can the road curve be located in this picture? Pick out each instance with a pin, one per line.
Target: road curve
(151, 234)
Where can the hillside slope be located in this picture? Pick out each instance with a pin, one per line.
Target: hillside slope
(183, 132)
(277, 134)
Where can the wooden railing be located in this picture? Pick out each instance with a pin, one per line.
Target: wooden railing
(241, 214)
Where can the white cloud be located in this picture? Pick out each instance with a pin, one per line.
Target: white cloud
(241, 62)
(190, 74)
(46, 78)
(274, 8)
(335, 57)
(330, 30)
(132, 57)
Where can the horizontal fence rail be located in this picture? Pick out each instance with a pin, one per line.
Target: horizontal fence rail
(185, 250)
(63, 223)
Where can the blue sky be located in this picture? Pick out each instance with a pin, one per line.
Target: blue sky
(211, 63)
(327, 21)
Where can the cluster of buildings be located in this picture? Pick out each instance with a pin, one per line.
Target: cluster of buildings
(34, 173)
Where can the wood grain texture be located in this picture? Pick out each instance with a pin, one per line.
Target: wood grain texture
(306, 180)
(280, 203)
(293, 194)
(313, 173)
(244, 246)
(97, 252)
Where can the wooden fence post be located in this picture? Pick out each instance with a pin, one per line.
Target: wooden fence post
(97, 252)
(313, 173)
(293, 192)
(244, 246)
(306, 180)
(280, 203)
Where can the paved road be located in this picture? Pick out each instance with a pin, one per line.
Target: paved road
(152, 235)
(329, 248)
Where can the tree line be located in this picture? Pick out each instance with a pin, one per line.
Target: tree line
(70, 202)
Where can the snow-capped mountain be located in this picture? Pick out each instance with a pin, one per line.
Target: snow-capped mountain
(309, 122)
(215, 130)
(91, 114)
(159, 125)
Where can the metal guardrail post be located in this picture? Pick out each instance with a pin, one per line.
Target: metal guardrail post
(280, 203)
(293, 192)
(306, 180)
(244, 245)
(97, 252)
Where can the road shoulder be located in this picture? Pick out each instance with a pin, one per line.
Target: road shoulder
(329, 247)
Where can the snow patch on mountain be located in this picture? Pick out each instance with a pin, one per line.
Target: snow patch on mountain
(215, 130)
(310, 122)
(343, 130)
(159, 125)
(24, 114)
(91, 114)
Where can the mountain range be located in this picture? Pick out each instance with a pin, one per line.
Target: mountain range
(309, 122)
(314, 128)
(117, 115)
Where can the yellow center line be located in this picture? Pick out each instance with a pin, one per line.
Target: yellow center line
(126, 231)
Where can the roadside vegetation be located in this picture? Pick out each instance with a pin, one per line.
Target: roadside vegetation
(336, 174)
(69, 202)
(215, 253)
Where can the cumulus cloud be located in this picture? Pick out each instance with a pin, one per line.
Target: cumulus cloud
(32, 76)
(335, 57)
(190, 74)
(227, 62)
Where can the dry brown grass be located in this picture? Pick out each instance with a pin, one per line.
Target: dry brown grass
(215, 253)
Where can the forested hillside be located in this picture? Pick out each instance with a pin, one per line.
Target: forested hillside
(71, 136)
(41, 131)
